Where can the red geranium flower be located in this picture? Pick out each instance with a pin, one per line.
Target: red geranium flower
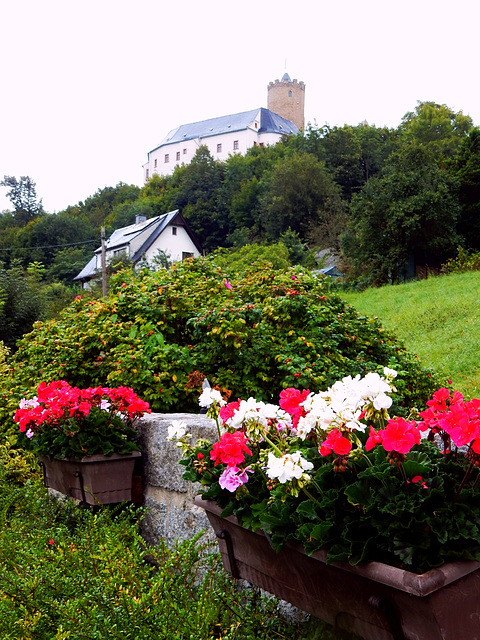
(400, 435)
(231, 449)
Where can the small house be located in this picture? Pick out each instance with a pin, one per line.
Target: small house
(143, 240)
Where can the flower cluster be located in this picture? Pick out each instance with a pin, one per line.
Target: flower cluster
(64, 421)
(334, 470)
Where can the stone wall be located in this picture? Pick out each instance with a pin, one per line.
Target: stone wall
(171, 514)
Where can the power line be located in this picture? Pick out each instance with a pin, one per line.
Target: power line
(49, 246)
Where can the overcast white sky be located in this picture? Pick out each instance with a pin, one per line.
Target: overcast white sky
(90, 86)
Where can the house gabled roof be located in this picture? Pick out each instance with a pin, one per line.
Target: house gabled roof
(270, 122)
(123, 237)
(88, 270)
(174, 217)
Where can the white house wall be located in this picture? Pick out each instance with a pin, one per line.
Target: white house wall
(174, 245)
(179, 153)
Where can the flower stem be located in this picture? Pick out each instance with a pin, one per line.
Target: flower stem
(462, 484)
(309, 495)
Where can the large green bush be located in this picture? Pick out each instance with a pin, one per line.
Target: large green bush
(251, 333)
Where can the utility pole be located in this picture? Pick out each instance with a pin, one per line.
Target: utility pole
(104, 264)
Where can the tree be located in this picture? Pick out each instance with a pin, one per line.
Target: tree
(466, 168)
(97, 208)
(21, 303)
(407, 213)
(197, 197)
(437, 127)
(23, 196)
(297, 191)
(48, 234)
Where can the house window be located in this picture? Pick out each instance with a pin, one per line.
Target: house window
(219, 147)
(167, 157)
(235, 144)
(184, 151)
(119, 252)
(256, 125)
(186, 255)
(174, 231)
(178, 155)
(155, 163)
(261, 144)
(146, 174)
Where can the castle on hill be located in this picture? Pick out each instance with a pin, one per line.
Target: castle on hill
(235, 133)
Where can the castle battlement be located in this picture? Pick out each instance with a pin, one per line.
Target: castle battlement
(287, 98)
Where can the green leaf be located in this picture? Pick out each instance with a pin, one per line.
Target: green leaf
(307, 509)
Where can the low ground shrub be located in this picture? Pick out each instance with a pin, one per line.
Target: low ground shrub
(67, 572)
(464, 261)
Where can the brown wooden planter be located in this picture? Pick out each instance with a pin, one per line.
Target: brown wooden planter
(93, 479)
(374, 601)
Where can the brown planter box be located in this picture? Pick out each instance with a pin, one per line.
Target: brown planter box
(93, 479)
(374, 601)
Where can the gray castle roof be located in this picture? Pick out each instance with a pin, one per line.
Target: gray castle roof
(270, 122)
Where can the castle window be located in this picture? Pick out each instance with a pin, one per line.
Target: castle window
(167, 157)
(219, 147)
(290, 93)
(235, 144)
(178, 155)
(174, 231)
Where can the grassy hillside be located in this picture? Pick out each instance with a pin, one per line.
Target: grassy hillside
(438, 319)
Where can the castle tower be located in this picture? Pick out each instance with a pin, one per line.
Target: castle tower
(287, 98)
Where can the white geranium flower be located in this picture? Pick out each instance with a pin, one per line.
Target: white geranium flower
(209, 396)
(177, 430)
(382, 401)
(29, 404)
(105, 405)
(288, 467)
(389, 373)
(305, 425)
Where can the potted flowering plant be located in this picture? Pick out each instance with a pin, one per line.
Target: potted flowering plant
(85, 438)
(331, 478)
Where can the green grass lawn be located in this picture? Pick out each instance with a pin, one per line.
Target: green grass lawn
(438, 319)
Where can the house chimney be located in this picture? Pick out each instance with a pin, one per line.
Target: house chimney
(139, 219)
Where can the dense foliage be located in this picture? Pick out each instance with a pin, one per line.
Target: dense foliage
(252, 333)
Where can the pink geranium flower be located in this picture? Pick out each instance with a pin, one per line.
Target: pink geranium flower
(232, 478)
